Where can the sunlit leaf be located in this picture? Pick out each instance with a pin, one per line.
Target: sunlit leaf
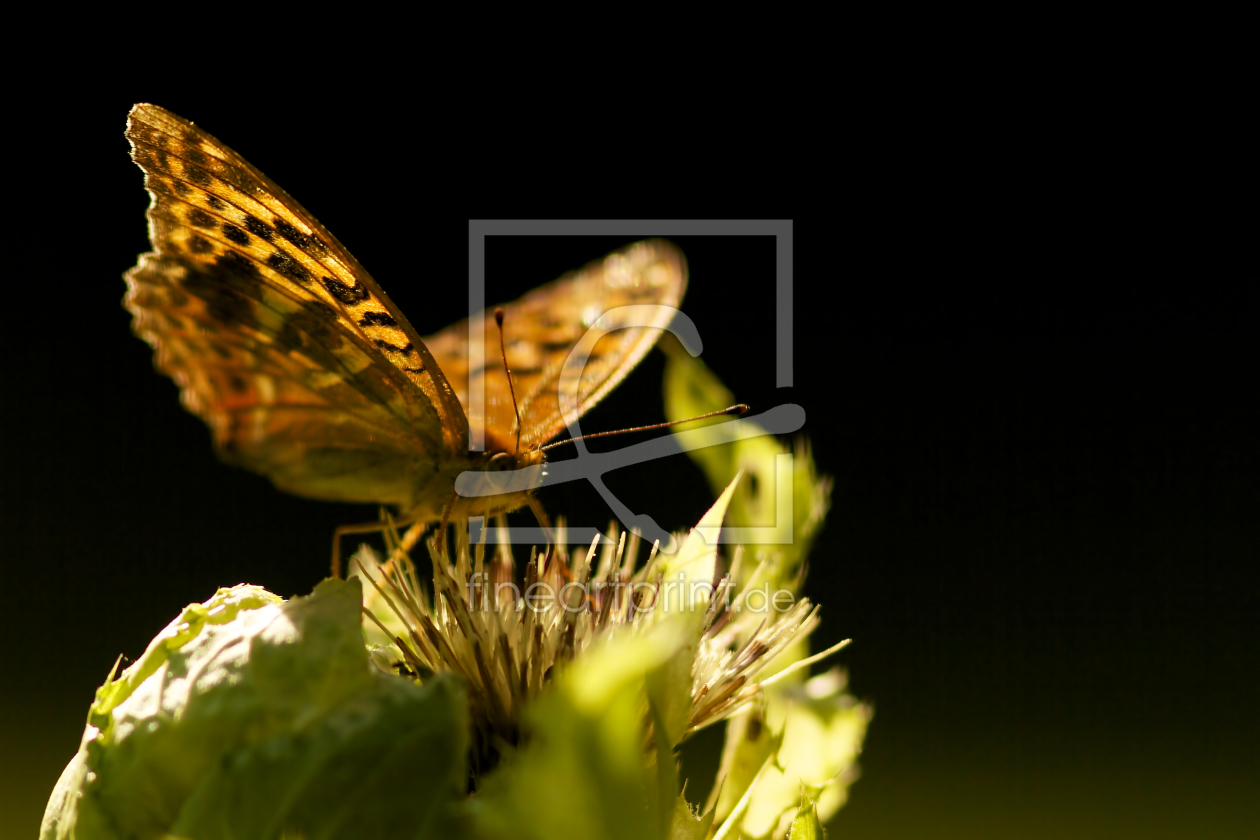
(248, 717)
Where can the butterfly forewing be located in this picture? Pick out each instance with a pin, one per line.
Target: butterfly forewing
(242, 303)
(211, 207)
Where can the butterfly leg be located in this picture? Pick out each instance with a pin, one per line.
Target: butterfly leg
(364, 528)
(446, 520)
(541, 515)
(408, 542)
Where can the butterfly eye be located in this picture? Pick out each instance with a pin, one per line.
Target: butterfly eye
(500, 461)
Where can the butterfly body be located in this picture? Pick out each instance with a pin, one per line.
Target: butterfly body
(307, 373)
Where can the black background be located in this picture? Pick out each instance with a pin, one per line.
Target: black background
(1032, 376)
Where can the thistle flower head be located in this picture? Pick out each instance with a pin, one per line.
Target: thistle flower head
(506, 636)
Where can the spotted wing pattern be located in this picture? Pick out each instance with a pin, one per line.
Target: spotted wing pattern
(276, 336)
(543, 327)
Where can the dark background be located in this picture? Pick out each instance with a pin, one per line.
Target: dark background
(1033, 379)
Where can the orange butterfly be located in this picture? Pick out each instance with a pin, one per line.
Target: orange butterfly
(307, 373)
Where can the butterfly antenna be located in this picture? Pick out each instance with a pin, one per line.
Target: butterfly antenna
(737, 409)
(498, 319)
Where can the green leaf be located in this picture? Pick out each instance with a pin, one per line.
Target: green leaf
(669, 685)
(383, 765)
(686, 590)
(687, 824)
(691, 389)
(586, 734)
(823, 728)
(805, 826)
(232, 696)
(730, 829)
(582, 772)
(687, 577)
(750, 744)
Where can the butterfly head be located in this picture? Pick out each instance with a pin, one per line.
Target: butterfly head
(513, 474)
(497, 482)
(503, 462)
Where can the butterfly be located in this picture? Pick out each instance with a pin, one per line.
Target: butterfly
(308, 374)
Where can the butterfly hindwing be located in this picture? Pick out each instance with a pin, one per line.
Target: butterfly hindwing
(542, 328)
